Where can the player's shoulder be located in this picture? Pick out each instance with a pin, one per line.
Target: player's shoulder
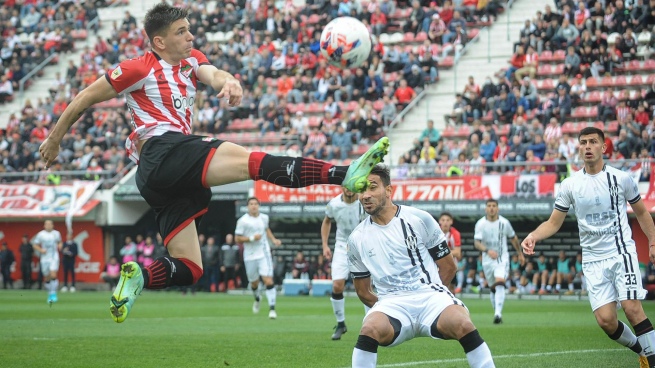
(360, 230)
(503, 219)
(243, 218)
(334, 201)
(408, 212)
(198, 56)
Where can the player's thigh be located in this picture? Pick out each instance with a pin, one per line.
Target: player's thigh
(184, 244)
(501, 271)
(252, 270)
(393, 322)
(627, 278)
(600, 287)
(229, 164)
(445, 309)
(340, 269)
(265, 266)
(489, 271)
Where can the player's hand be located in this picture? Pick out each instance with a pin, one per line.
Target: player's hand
(232, 91)
(49, 151)
(277, 242)
(327, 253)
(492, 253)
(257, 237)
(528, 244)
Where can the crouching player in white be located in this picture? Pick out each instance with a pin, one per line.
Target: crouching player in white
(347, 212)
(47, 245)
(404, 252)
(253, 231)
(598, 194)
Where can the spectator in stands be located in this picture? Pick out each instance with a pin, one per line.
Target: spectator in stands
(607, 107)
(112, 272)
(571, 62)
(459, 108)
(415, 21)
(504, 107)
(516, 63)
(561, 105)
(300, 265)
(404, 94)
(516, 150)
(388, 112)
(341, 144)
(436, 29)
(316, 143)
(431, 133)
(530, 65)
(487, 147)
(452, 27)
(6, 89)
(378, 21)
(566, 35)
(374, 88)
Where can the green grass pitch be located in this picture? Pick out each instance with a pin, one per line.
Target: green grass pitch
(167, 329)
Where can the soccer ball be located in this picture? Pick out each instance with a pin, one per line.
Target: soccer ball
(345, 42)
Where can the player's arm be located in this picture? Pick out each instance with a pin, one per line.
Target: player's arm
(365, 291)
(222, 81)
(545, 230)
(646, 224)
(326, 227)
(37, 247)
(239, 233)
(517, 247)
(445, 262)
(277, 242)
(457, 239)
(97, 92)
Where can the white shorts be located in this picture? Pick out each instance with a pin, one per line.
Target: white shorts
(259, 267)
(613, 280)
(339, 266)
(49, 265)
(416, 312)
(495, 269)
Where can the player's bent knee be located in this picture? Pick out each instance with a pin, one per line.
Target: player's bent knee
(338, 286)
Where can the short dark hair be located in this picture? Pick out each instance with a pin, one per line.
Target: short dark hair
(492, 200)
(592, 130)
(253, 199)
(383, 172)
(160, 17)
(446, 214)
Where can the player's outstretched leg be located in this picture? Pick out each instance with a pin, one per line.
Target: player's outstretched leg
(128, 289)
(358, 171)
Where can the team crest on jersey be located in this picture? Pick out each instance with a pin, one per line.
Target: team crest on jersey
(116, 73)
(411, 242)
(614, 191)
(186, 70)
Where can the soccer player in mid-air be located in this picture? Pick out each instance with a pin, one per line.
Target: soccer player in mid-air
(346, 210)
(404, 252)
(176, 168)
(491, 234)
(47, 244)
(599, 195)
(253, 231)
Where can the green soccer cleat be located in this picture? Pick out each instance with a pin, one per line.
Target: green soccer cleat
(128, 289)
(356, 179)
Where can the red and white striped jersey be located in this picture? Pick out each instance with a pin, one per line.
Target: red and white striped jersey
(160, 96)
(453, 238)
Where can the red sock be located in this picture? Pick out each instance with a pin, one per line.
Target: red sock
(294, 172)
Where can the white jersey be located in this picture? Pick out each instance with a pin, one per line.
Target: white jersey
(396, 255)
(49, 241)
(601, 210)
(494, 235)
(346, 215)
(247, 226)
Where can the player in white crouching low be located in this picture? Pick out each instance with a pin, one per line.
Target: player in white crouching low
(599, 195)
(346, 210)
(252, 230)
(47, 244)
(491, 234)
(404, 252)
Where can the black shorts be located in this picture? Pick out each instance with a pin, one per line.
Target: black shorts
(171, 178)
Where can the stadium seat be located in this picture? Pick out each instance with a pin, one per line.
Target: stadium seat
(633, 66)
(448, 132)
(644, 38)
(651, 79)
(384, 38)
(607, 81)
(378, 105)
(546, 56)
(591, 82)
(649, 65)
(313, 121)
(593, 112)
(219, 37)
(544, 70)
(599, 125)
(464, 131)
(314, 108)
(447, 62)
(473, 33)
(352, 106)
(593, 97)
(620, 81)
(546, 84)
(568, 128)
(228, 35)
(559, 55)
(421, 36)
(612, 127)
(636, 80)
(397, 37)
(292, 108)
(579, 112)
(408, 37)
(611, 39)
(558, 69)
(435, 49)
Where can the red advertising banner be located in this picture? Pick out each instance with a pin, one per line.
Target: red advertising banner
(87, 235)
(454, 188)
(34, 200)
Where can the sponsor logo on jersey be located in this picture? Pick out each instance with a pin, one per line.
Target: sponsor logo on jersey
(600, 218)
(183, 102)
(116, 73)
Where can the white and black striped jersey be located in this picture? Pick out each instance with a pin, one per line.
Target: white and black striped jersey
(346, 215)
(396, 255)
(600, 203)
(248, 226)
(494, 235)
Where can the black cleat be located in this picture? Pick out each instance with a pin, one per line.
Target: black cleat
(498, 320)
(338, 331)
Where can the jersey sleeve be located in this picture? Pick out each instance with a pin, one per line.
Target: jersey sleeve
(37, 239)
(509, 230)
(563, 201)
(200, 58)
(433, 234)
(630, 189)
(478, 230)
(265, 220)
(329, 212)
(240, 230)
(457, 237)
(128, 76)
(58, 237)
(357, 267)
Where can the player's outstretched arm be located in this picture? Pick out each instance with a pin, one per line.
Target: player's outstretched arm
(326, 226)
(97, 92)
(545, 230)
(646, 223)
(222, 81)
(365, 291)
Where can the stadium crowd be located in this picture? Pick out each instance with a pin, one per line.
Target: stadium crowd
(271, 46)
(526, 117)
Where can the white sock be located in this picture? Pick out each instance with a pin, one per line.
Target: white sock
(492, 297)
(647, 341)
(271, 295)
(549, 287)
(480, 357)
(570, 286)
(460, 279)
(558, 287)
(500, 300)
(364, 359)
(339, 309)
(48, 286)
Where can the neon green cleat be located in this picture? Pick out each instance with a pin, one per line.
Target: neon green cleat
(128, 289)
(357, 176)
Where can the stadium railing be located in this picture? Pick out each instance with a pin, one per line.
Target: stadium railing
(108, 178)
(28, 76)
